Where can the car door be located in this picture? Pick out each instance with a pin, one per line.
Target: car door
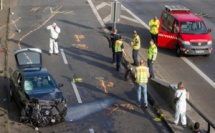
(17, 86)
(28, 58)
(167, 38)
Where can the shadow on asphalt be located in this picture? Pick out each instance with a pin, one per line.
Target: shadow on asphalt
(75, 24)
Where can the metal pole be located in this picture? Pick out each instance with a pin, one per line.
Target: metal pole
(114, 18)
(1, 4)
(209, 128)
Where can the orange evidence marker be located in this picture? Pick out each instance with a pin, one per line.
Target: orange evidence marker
(103, 85)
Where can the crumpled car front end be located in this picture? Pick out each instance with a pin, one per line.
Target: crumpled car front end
(41, 113)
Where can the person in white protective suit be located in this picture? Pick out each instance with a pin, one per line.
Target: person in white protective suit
(54, 34)
(181, 93)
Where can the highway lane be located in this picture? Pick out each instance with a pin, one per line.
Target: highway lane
(155, 7)
(88, 56)
(173, 69)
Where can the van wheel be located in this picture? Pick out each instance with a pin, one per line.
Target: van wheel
(178, 51)
(207, 55)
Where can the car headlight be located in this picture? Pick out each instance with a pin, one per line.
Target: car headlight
(185, 42)
(209, 42)
(47, 112)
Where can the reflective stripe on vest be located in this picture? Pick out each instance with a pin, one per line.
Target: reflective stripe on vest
(154, 26)
(137, 45)
(118, 46)
(142, 74)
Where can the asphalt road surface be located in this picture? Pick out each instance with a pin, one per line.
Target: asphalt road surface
(84, 58)
(173, 69)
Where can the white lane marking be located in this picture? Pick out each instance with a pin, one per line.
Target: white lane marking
(103, 4)
(183, 58)
(130, 19)
(97, 16)
(199, 71)
(107, 19)
(137, 18)
(91, 130)
(64, 56)
(76, 92)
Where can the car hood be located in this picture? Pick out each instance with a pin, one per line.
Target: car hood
(196, 37)
(53, 94)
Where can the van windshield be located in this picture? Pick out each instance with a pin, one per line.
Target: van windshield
(193, 27)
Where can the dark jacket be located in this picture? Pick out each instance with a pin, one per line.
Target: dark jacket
(113, 38)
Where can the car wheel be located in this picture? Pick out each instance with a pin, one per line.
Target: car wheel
(207, 55)
(178, 51)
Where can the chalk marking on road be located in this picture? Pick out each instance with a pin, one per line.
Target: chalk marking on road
(130, 19)
(91, 130)
(107, 19)
(11, 36)
(97, 16)
(103, 4)
(3, 26)
(40, 26)
(183, 58)
(76, 92)
(64, 56)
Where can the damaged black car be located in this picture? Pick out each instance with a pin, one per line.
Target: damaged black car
(35, 91)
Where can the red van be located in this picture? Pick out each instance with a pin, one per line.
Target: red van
(183, 31)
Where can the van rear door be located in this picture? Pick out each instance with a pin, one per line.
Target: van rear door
(168, 31)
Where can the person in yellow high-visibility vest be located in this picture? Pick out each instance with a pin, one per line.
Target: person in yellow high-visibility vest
(154, 25)
(119, 50)
(136, 44)
(113, 37)
(151, 56)
(142, 75)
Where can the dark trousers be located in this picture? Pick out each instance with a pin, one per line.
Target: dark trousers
(113, 55)
(135, 55)
(118, 60)
(151, 70)
(154, 38)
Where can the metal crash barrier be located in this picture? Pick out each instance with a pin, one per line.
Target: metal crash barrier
(167, 91)
(210, 123)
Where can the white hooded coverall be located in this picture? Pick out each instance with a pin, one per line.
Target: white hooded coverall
(181, 107)
(54, 33)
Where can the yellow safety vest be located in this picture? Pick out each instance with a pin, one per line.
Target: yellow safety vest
(154, 25)
(152, 52)
(118, 46)
(142, 75)
(136, 46)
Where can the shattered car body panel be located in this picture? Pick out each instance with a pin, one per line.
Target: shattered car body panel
(35, 90)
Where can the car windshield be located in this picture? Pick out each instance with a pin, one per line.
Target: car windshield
(39, 83)
(193, 27)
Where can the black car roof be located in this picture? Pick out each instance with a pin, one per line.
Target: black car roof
(35, 71)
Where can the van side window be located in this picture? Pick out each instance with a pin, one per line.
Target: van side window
(167, 24)
(164, 16)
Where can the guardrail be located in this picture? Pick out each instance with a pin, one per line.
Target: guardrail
(210, 123)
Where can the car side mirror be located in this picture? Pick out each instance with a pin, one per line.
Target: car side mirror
(60, 85)
(209, 30)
